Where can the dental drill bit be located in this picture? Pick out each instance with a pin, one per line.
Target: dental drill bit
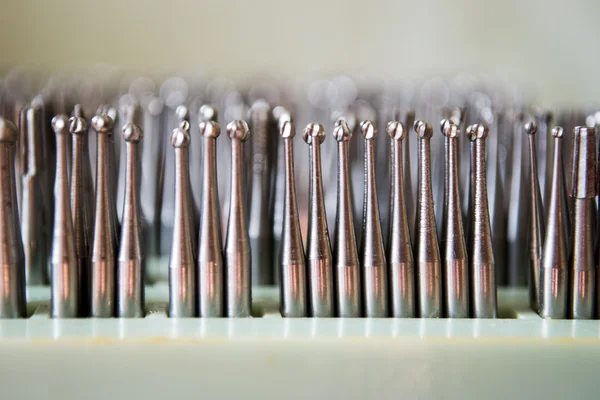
(321, 301)
(291, 255)
(345, 253)
(237, 252)
(427, 252)
(260, 217)
(407, 119)
(32, 197)
(211, 299)
(104, 243)
(583, 190)
(81, 212)
(12, 261)
(130, 273)
(182, 268)
(536, 220)
(454, 248)
(64, 298)
(481, 254)
(554, 276)
(399, 249)
(372, 251)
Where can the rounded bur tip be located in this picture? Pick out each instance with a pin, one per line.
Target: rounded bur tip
(239, 130)
(396, 130)
(8, 131)
(423, 129)
(312, 131)
(207, 113)
(210, 129)
(182, 113)
(558, 131)
(102, 123)
(60, 124)
(180, 137)
(449, 128)
(477, 131)
(530, 128)
(77, 125)
(342, 132)
(368, 129)
(132, 133)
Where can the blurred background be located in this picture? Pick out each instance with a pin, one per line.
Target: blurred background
(547, 47)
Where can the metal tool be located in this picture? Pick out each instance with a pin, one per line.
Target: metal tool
(453, 246)
(12, 260)
(427, 252)
(104, 244)
(182, 261)
(536, 220)
(130, 272)
(554, 274)
(237, 252)
(372, 251)
(211, 297)
(291, 257)
(399, 249)
(407, 119)
(64, 299)
(318, 248)
(481, 254)
(583, 190)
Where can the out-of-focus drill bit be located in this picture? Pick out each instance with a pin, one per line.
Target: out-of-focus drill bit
(211, 296)
(582, 263)
(182, 268)
(536, 220)
(81, 208)
(481, 254)
(237, 253)
(345, 253)
(104, 244)
(554, 275)
(130, 273)
(260, 217)
(399, 249)
(32, 197)
(454, 248)
(64, 299)
(291, 257)
(12, 262)
(318, 248)
(372, 251)
(427, 252)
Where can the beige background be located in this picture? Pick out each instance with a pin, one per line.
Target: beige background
(552, 46)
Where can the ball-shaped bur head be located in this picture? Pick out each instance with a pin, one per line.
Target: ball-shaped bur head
(396, 130)
(477, 131)
(288, 130)
(77, 125)
(132, 133)
(368, 129)
(423, 129)
(530, 128)
(8, 131)
(313, 131)
(239, 130)
(102, 123)
(60, 124)
(180, 138)
(182, 113)
(342, 132)
(558, 132)
(279, 111)
(210, 129)
(207, 112)
(449, 128)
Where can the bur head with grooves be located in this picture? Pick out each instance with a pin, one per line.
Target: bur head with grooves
(368, 129)
(132, 133)
(558, 132)
(207, 112)
(60, 124)
(530, 128)
(287, 130)
(180, 136)
(8, 131)
(77, 125)
(449, 128)
(210, 129)
(342, 132)
(239, 130)
(396, 130)
(423, 129)
(102, 123)
(477, 131)
(312, 131)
